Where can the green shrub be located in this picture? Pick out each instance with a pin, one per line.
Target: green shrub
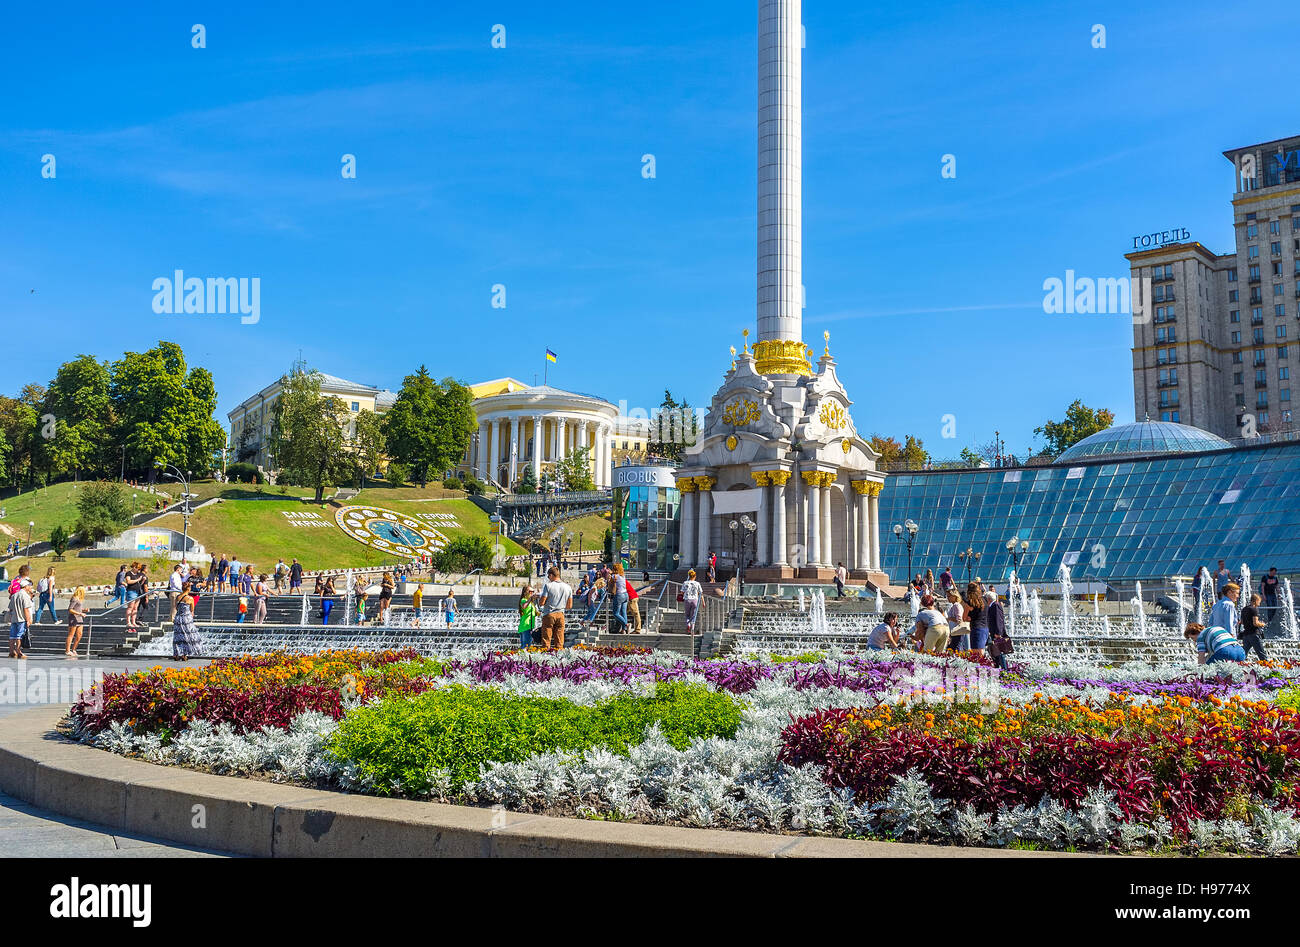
(244, 473)
(399, 743)
(452, 483)
(397, 474)
(464, 553)
(1288, 698)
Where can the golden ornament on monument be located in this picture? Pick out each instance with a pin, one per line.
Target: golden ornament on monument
(732, 441)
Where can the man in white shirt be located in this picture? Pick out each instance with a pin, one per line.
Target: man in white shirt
(281, 570)
(174, 584)
(555, 598)
(841, 576)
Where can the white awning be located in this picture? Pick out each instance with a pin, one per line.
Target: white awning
(737, 501)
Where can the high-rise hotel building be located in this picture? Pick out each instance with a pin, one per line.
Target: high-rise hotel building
(1222, 331)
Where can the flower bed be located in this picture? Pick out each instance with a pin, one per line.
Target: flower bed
(929, 747)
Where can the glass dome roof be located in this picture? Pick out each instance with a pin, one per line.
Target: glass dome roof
(1142, 438)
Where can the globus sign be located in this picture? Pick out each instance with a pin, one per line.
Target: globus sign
(644, 477)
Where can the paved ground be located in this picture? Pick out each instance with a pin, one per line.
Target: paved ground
(27, 832)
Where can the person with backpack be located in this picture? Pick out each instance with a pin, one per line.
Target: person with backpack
(45, 591)
(281, 570)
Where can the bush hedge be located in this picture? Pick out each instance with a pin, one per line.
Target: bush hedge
(400, 743)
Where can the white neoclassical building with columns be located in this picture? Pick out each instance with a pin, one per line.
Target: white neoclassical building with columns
(521, 425)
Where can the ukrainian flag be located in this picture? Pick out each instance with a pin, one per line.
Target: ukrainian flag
(550, 356)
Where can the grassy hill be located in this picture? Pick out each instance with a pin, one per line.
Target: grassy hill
(253, 526)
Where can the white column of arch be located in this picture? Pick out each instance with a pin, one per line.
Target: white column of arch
(763, 548)
(686, 533)
(778, 523)
(481, 460)
(814, 522)
(828, 533)
(873, 529)
(562, 438)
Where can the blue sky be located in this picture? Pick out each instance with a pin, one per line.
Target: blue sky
(522, 166)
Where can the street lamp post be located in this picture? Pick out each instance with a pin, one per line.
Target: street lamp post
(740, 531)
(970, 557)
(183, 480)
(1018, 548)
(907, 531)
(31, 524)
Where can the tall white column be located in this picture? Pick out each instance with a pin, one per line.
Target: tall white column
(828, 533)
(779, 479)
(537, 448)
(704, 530)
(686, 523)
(482, 459)
(562, 439)
(514, 450)
(873, 526)
(582, 442)
(811, 480)
(780, 174)
(494, 449)
(763, 541)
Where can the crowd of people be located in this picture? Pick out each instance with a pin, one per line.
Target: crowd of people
(542, 610)
(971, 621)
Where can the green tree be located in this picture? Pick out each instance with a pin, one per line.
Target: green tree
(429, 425)
(888, 448)
(574, 471)
(527, 481)
(673, 428)
(368, 443)
(914, 453)
(1080, 421)
(971, 458)
(463, 554)
(397, 474)
(307, 433)
(18, 422)
(79, 400)
(59, 540)
(164, 413)
(103, 510)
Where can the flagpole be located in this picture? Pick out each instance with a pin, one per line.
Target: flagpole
(546, 369)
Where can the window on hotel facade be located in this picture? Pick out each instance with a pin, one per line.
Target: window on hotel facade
(1252, 231)
(1281, 351)
(1283, 373)
(1236, 358)
(1234, 316)
(1252, 253)
(1284, 395)
(1281, 332)
(1232, 274)
(1254, 272)
(1236, 337)
(1258, 336)
(1234, 296)
(1275, 226)
(1275, 248)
